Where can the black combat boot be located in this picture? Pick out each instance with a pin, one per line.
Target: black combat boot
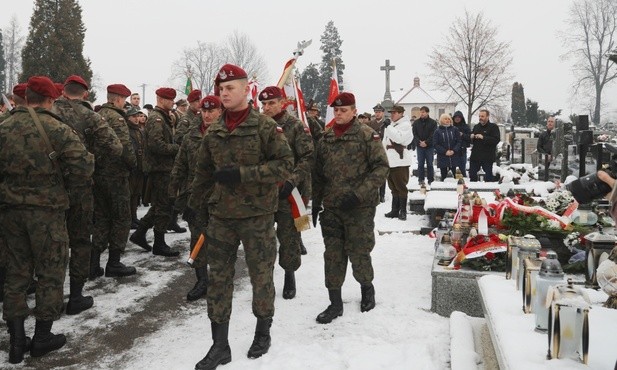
(44, 341)
(302, 248)
(160, 248)
(2, 278)
(77, 302)
(20, 344)
(96, 270)
(115, 268)
(396, 204)
(334, 310)
(368, 297)
(220, 352)
(402, 215)
(201, 286)
(262, 340)
(173, 224)
(289, 288)
(139, 237)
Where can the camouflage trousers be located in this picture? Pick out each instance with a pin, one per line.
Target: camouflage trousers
(348, 235)
(79, 227)
(288, 237)
(37, 243)
(258, 238)
(197, 227)
(136, 184)
(159, 214)
(112, 217)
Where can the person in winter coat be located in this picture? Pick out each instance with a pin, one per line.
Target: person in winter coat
(423, 130)
(458, 121)
(397, 136)
(447, 141)
(484, 137)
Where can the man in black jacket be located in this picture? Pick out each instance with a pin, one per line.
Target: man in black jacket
(423, 129)
(484, 138)
(545, 141)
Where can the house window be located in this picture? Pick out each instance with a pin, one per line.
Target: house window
(441, 111)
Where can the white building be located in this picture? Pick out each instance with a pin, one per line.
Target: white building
(417, 97)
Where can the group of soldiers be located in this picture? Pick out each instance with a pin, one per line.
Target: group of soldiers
(232, 171)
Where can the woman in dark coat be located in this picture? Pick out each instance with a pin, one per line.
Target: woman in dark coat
(447, 142)
(464, 132)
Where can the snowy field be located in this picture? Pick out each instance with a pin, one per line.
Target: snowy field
(145, 322)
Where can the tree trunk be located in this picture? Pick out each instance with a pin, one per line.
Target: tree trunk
(596, 111)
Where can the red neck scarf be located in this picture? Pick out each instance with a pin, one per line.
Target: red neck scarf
(234, 119)
(339, 130)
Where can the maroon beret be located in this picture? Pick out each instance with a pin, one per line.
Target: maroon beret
(210, 102)
(194, 95)
(42, 85)
(119, 89)
(229, 72)
(343, 99)
(59, 86)
(20, 90)
(76, 79)
(270, 92)
(166, 93)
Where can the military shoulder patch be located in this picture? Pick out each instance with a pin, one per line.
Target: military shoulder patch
(376, 137)
(306, 130)
(279, 130)
(158, 120)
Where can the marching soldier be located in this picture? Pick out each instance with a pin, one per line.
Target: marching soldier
(242, 158)
(351, 165)
(161, 150)
(42, 162)
(301, 144)
(112, 212)
(100, 140)
(183, 173)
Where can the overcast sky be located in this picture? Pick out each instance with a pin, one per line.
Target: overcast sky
(137, 41)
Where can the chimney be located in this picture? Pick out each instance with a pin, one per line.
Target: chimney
(416, 82)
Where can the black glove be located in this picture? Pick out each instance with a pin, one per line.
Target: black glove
(349, 201)
(315, 210)
(285, 190)
(386, 123)
(189, 215)
(227, 175)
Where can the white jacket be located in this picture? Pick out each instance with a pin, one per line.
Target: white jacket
(398, 132)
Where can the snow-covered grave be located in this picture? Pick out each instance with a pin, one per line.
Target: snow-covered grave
(519, 346)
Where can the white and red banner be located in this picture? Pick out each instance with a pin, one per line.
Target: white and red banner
(253, 91)
(298, 211)
(332, 93)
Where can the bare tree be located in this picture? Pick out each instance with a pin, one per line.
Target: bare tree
(243, 52)
(589, 37)
(201, 63)
(472, 64)
(13, 43)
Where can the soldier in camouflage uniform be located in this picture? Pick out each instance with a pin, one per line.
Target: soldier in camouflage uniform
(301, 144)
(351, 165)
(112, 215)
(100, 140)
(183, 173)
(161, 151)
(242, 158)
(136, 178)
(42, 161)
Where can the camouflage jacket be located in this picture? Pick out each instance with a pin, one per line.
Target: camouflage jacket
(354, 162)
(28, 177)
(138, 139)
(186, 161)
(186, 123)
(259, 149)
(92, 129)
(4, 116)
(316, 126)
(161, 148)
(117, 166)
(301, 144)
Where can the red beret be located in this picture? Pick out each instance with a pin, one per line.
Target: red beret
(43, 86)
(119, 89)
(76, 79)
(270, 92)
(343, 99)
(166, 93)
(59, 87)
(194, 95)
(229, 72)
(210, 102)
(20, 90)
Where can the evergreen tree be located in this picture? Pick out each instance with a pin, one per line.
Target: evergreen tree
(55, 42)
(331, 47)
(519, 110)
(2, 66)
(532, 112)
(310, 82)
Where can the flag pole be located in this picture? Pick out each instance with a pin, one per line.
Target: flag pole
(291, 63)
